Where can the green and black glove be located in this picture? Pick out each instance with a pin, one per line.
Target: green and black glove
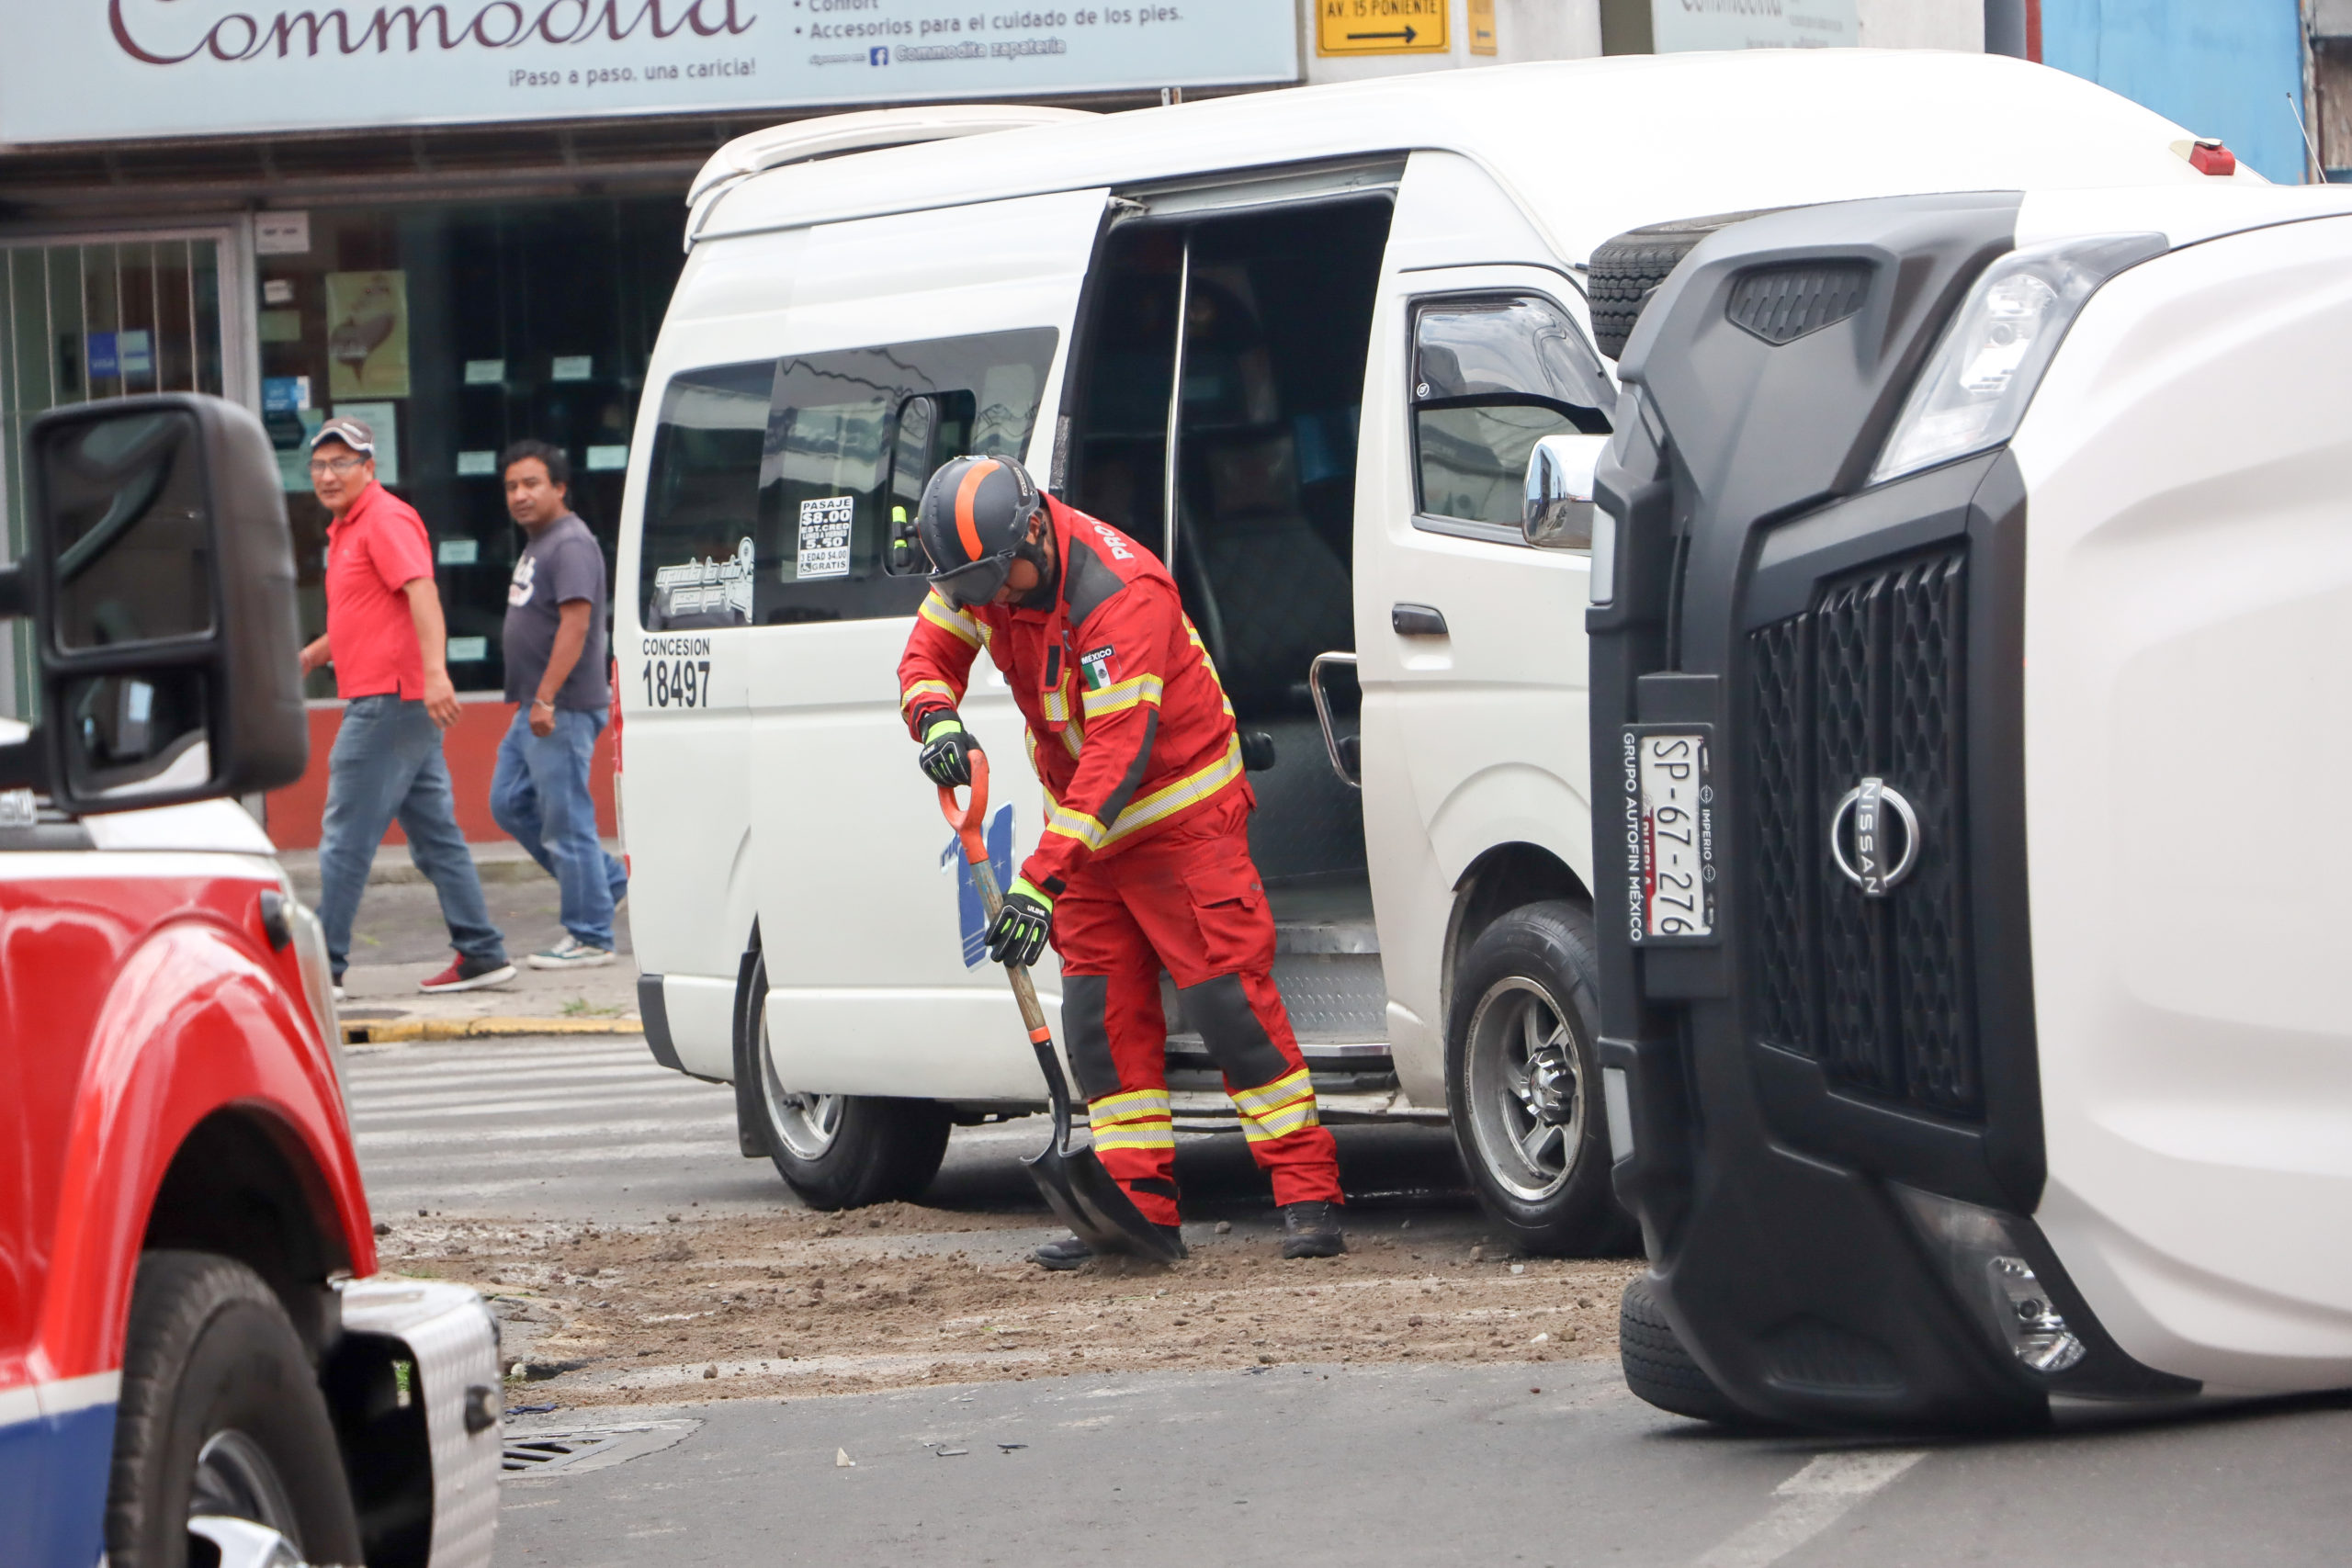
(947, 749)
(1022, 925)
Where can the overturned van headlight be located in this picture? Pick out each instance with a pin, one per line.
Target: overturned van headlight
(1984, 369)
(1981, 1256)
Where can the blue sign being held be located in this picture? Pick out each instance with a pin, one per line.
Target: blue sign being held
(968, 894)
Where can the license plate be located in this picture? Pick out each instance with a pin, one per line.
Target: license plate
(1675, 814)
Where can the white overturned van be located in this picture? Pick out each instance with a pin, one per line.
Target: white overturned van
(1301, 343)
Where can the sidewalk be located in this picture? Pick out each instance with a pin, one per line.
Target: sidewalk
(399, 925)
(499, 860)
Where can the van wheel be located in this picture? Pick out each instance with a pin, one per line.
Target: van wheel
(221, 1419)
(1524, 1081)
(844, 1151)
(1659, 1370)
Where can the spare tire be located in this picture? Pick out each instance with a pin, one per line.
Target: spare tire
(1627, 270)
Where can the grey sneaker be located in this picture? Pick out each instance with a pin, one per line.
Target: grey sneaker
(570, 953)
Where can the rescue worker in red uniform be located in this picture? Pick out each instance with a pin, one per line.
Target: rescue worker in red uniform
(1144, 863)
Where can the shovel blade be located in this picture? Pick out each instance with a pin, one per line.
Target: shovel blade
(1084, 1196)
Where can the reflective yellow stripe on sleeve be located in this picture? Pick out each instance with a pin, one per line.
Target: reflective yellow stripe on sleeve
(939, 689)
(1076, 825)
(947, 618)
(1121, 695)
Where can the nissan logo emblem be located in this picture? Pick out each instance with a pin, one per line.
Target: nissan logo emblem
(1877, 866)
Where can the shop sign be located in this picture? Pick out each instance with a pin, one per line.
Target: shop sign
(90, 70)
(1753, 24)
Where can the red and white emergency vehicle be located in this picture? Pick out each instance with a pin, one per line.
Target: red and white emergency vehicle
(196, 1363)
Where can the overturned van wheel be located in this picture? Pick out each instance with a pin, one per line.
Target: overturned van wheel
(844, 1150)
(1523, 1081)
(1625, 271)
(1659, 1370)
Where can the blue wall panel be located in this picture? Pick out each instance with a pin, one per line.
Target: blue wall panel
(2222, 68)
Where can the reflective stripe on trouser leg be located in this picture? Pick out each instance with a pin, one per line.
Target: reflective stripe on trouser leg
(1118, 1043)
(1247, 1030)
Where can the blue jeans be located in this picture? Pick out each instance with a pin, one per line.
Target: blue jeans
(539, 794)
(387, 764)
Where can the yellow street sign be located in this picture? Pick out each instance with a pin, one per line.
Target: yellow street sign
(1482, 26)
(1381, 26)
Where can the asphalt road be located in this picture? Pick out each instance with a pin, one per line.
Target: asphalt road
(1412, 1465)
(1358, 1464)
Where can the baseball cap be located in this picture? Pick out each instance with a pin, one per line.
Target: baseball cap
(349, 430)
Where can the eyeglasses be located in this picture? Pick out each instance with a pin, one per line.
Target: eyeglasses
(334, 465)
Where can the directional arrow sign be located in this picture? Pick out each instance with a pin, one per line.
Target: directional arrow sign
(1381, 26)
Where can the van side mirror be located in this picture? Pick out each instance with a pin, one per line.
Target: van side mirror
(160, 579)
(1559, 515)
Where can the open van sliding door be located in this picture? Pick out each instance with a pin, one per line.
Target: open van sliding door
(1470, 644)
(908, 340)
(1272, 276)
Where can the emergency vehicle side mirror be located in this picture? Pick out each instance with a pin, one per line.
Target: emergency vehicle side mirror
(1559, 515)
(161, 581)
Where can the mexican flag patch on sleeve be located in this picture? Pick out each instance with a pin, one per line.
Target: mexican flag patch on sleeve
(1095, 667)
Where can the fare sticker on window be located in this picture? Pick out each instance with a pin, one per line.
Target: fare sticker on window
(824, 537)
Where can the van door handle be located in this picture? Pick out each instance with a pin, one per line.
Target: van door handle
(1417, 620)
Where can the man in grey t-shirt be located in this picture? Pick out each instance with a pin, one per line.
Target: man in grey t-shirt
(555, 665)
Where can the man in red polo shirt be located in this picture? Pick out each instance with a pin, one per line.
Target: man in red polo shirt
(388, 644)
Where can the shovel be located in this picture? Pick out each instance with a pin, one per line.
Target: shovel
(1073, 1180)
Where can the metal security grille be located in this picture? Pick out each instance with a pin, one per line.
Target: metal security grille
(85, 321)
(1869, 681)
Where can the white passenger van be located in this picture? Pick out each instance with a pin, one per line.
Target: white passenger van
(1382, 295)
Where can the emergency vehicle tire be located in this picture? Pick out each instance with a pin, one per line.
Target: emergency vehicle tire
(221, 1415)
(1626, 270)
(1523, 1081)
(1658, 1370)
(844, 1151)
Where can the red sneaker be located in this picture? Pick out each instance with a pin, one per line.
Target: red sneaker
(468, 975)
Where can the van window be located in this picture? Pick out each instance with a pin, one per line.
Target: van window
(695, 559)
(1490, 378)
(851, 434)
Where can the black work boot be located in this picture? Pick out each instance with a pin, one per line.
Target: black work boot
(1312, 1230)
(1060, 1256)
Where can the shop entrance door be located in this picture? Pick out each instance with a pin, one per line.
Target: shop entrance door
(89, 317)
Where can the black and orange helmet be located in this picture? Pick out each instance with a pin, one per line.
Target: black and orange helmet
(974, 521)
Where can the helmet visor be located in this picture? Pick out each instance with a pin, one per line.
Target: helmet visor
(975, 583)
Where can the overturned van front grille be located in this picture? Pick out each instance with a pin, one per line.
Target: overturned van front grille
(1868, 682)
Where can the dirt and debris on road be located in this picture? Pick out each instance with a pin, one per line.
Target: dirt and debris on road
(803, 1302)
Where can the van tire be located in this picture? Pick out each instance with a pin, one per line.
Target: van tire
(1625, 271)
(217, 1391)
(836, 1151)
(1519, 1056)
(1656, 1366)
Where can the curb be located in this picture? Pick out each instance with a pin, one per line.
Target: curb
(425, 1029)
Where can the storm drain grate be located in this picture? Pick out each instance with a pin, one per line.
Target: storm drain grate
(539, 1452)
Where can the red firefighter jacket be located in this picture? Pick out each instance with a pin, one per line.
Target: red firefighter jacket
(1129, 730)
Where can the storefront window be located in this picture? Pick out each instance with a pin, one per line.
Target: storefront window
(454, 329)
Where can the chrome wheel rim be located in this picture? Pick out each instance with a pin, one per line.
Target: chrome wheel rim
(234, 1479)
(1526, 1089)
(805, 1124)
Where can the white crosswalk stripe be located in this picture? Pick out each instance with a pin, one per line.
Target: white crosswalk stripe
(468, 1122)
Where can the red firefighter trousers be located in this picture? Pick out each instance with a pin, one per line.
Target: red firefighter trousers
(1188, 899)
